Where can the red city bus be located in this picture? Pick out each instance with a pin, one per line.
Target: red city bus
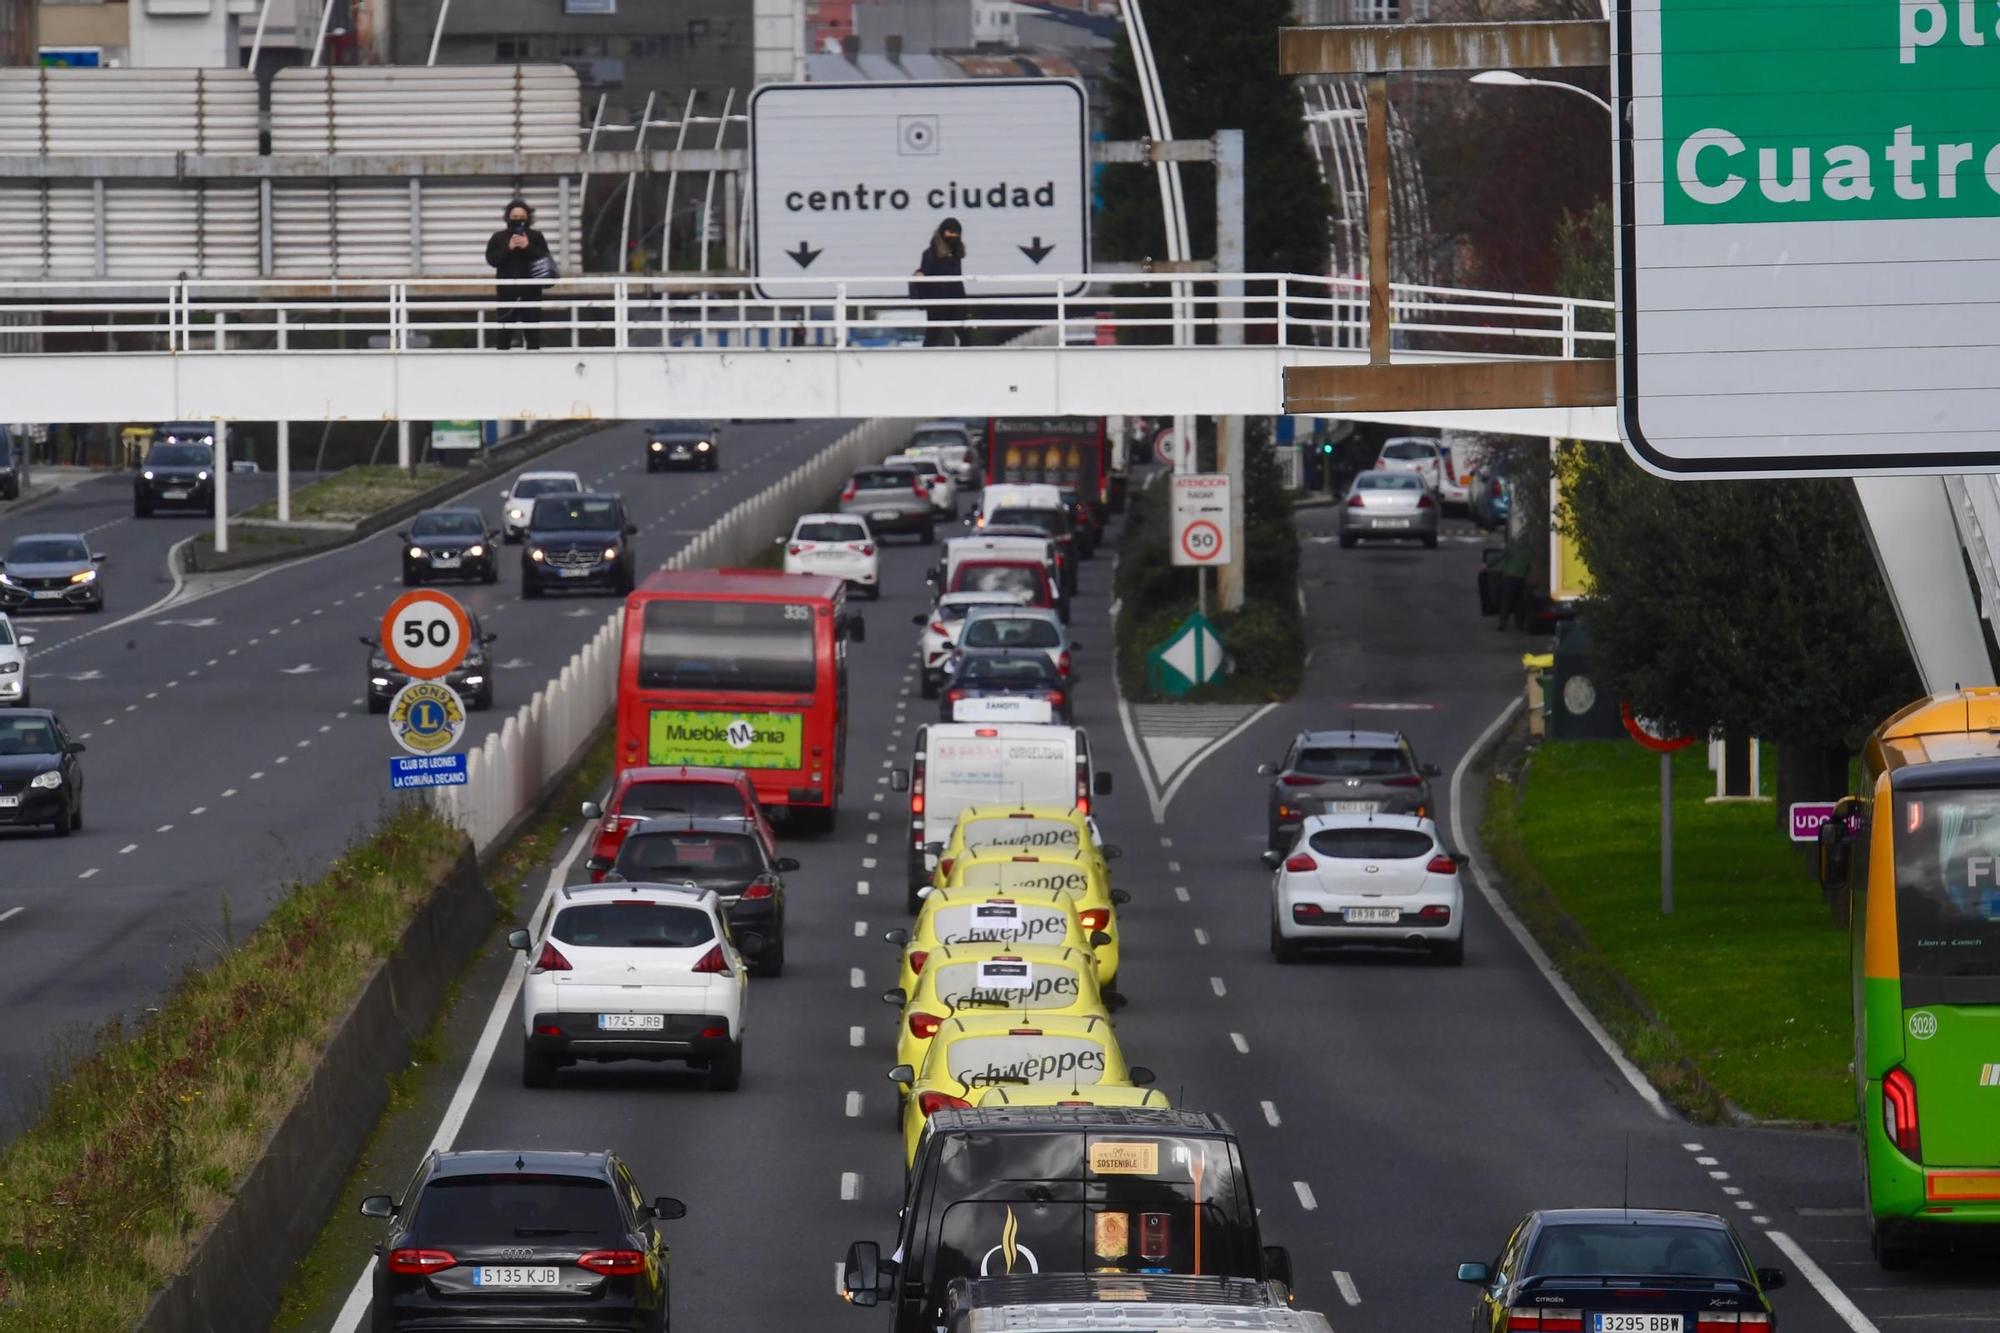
(740, 668)
(1063, 451)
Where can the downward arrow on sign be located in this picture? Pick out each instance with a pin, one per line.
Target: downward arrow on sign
(1036, 252)
(804, 255)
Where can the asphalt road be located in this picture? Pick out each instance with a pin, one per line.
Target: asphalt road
(1397, 1117)
(230, 751)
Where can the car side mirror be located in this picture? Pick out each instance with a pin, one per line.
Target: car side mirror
(857, 629)
(934, 848)
(1477, 1274)
(1834, 850)
(899, 779)
(366, 642)
(750, 944)
(902, 1074)
(518, 939)
(1278, 1265)
(598, 863)
(667, 1209)
(77, 747)
(488, 638)
(592, 810)
(97, 558)
(1140, 1076)
(920, 619)
(1114, 1000)
(1770, 1279)
(1100, 784)
(1119, 897)
(1461, 860)
(896, 997)
(1098, 939)
(404, 534)
(378, 1205)
(1266, 770)
(1075, 647)
(896, 936)
(779, 541)
(785, 865)
(631, 529)
(1431, 771)
(1271, 859)
(1111, 851)
(863, 1280)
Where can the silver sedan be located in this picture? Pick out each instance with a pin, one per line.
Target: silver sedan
(1389, 505)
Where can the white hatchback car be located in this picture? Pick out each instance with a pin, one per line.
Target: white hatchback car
(840, 546)
(517, 502)
(941, 625)
(1381, 880)
(13, 666)
(633, 972)
(938, 481)
(1414, 453)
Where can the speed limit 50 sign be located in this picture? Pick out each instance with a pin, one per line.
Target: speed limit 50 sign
(426, 634)
(1201, 519)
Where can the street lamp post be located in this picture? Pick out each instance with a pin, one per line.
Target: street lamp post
(1507, 78)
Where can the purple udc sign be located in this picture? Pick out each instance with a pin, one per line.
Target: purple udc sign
(1807, 816)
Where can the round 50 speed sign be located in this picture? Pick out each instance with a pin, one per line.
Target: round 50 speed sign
(426, 634)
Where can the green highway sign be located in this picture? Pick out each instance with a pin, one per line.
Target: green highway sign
(1808, 267)
(1191, 656)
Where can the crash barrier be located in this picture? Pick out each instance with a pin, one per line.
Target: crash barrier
(509, 774)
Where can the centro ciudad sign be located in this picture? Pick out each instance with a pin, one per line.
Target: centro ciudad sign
(1809, 264)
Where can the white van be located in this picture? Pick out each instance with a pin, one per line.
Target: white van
(1018, 495)
(957, 764)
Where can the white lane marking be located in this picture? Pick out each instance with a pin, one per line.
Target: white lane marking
(861, 887)
(11, 913)
(874, 838)
(856, 1035)
(1200, 935)
(867, 863)
(349, 1318)
(1692, 1147)
(1835, 1298)
(128, 849)
(1270, 1114)
(1732, 1190)
(874, 815)
(1160, 800)
(1305, 1193)
(1761, 1220)
(1215, 984)
(199, 810)
(164, 828)
(258, 776)
(860, 929)
(856, 978)
(1746, 1205)
(1242, 1046)
(228, 792)
(1640, 1084)
(1166, 842)
(1180, 892)
(850, 1186)
(1348, 1291)
(853, 1105)
(1174, 867)
(1706, 1161)
(1718, 1175)
(88, 873)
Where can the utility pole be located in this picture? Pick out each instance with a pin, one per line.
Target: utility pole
(1229, 437)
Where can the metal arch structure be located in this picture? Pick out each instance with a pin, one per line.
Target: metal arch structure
(1336, 127)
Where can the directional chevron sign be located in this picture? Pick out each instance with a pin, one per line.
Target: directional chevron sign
(850, 180)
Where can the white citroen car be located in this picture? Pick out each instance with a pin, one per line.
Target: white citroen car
(633, 972)
(13, 667)
(837, 545)
(517, 502)
(1381, 880)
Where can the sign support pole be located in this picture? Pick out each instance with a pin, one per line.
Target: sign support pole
(1229, 437)
(221, 456)
(1666, 835)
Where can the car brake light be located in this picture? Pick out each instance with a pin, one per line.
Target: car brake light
(925, 1025)
(713, 1034)
(1562, 1321)
(757, 890)
(1524, 1317)
(1307, 912)
(1299, 780)
(611, 826)
(1721, 1321)
(550, 960)
(1437, 914)
(1407, 780)
(420, 1261)
(1899, 1112)
(987, 733)
(1062, 664)
(917, 484)
(1441, 865)
(1354, 502)
(1424, 501)
(1299, 863)
(1290, 812)
(918, 958)
(795, 549)
(1095, 918)
(944, 866)
(930, 1103)
(1055, 698)
(713, 962)
(613, 1263)
(864, 548)
(937, 628)
(953, 696)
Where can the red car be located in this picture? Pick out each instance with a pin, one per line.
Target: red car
(641, 794)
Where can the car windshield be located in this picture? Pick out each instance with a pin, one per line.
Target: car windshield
(1388, 481)
(831, 532)
(680, 428)
(700, 799)
(1026, 873)
(697, 856)
(516, 1206)
(636, 924)
(47, 551)
(1372, 844)
(1054, 521)
(1629, 1249)
(527, 488)
(1006, 983)
(576, 515)
(937, 439)
(1948, 896)
(1026, 833)
(1000, 578)
(1409, 450)
(1033, 670)
(26, 735)
(882, 479)
(734, 646)
(178, 455)
(1020, 1057)
(1352, 761)
(1011, 632)
(449, 523)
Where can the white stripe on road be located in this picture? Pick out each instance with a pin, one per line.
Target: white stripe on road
(1835, 1298)
(850, 1186)
(855, 978)
(1305, 1193)
(1215, 984)
(1242, 1046)
(853, 1105)
(1270, 1114)
(856, 1035)
(1348, 1291)
(11, 913)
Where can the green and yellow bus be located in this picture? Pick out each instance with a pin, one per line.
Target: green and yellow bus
(1918, 854)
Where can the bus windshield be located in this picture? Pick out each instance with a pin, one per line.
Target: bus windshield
(728, 646)
(1948, 896)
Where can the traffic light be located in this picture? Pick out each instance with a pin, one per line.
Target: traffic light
(1326, 446)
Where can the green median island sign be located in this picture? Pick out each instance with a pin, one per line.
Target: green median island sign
(1809, 239)
(1191, 656)
(725, 740)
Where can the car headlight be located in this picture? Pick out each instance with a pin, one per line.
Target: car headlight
(658, 445)
(9, 668)
(703, 446)
(475, 680)
(518, 515)
(147, 474)
(537, 554)
(48, 781)
(379, 682)
(416, 553)
(84, 576)
(201, 476)
(475, 550)
(610, 553)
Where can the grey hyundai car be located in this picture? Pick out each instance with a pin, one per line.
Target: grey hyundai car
(1344, 772)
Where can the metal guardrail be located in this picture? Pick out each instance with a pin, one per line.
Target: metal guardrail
(619, 313)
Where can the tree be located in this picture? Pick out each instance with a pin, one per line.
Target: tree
(1753, 605)
(1218, 66)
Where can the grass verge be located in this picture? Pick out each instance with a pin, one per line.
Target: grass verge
(143, 1141)
(1741, 994)
(355, 493)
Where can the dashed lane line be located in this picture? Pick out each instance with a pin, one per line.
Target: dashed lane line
(1240, 1042)
(11, 913)
(1305, 1193)
(1270, 1114)
(1348, 1291)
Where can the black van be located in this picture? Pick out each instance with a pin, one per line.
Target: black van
(13, 465)
(1065, 1189)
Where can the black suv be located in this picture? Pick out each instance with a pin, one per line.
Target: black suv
(578, 541)
(683, 444)
(179, 473)
(453, 543)
(13, 465)
(727, 856)
(514, 1240)
(1344, 772)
